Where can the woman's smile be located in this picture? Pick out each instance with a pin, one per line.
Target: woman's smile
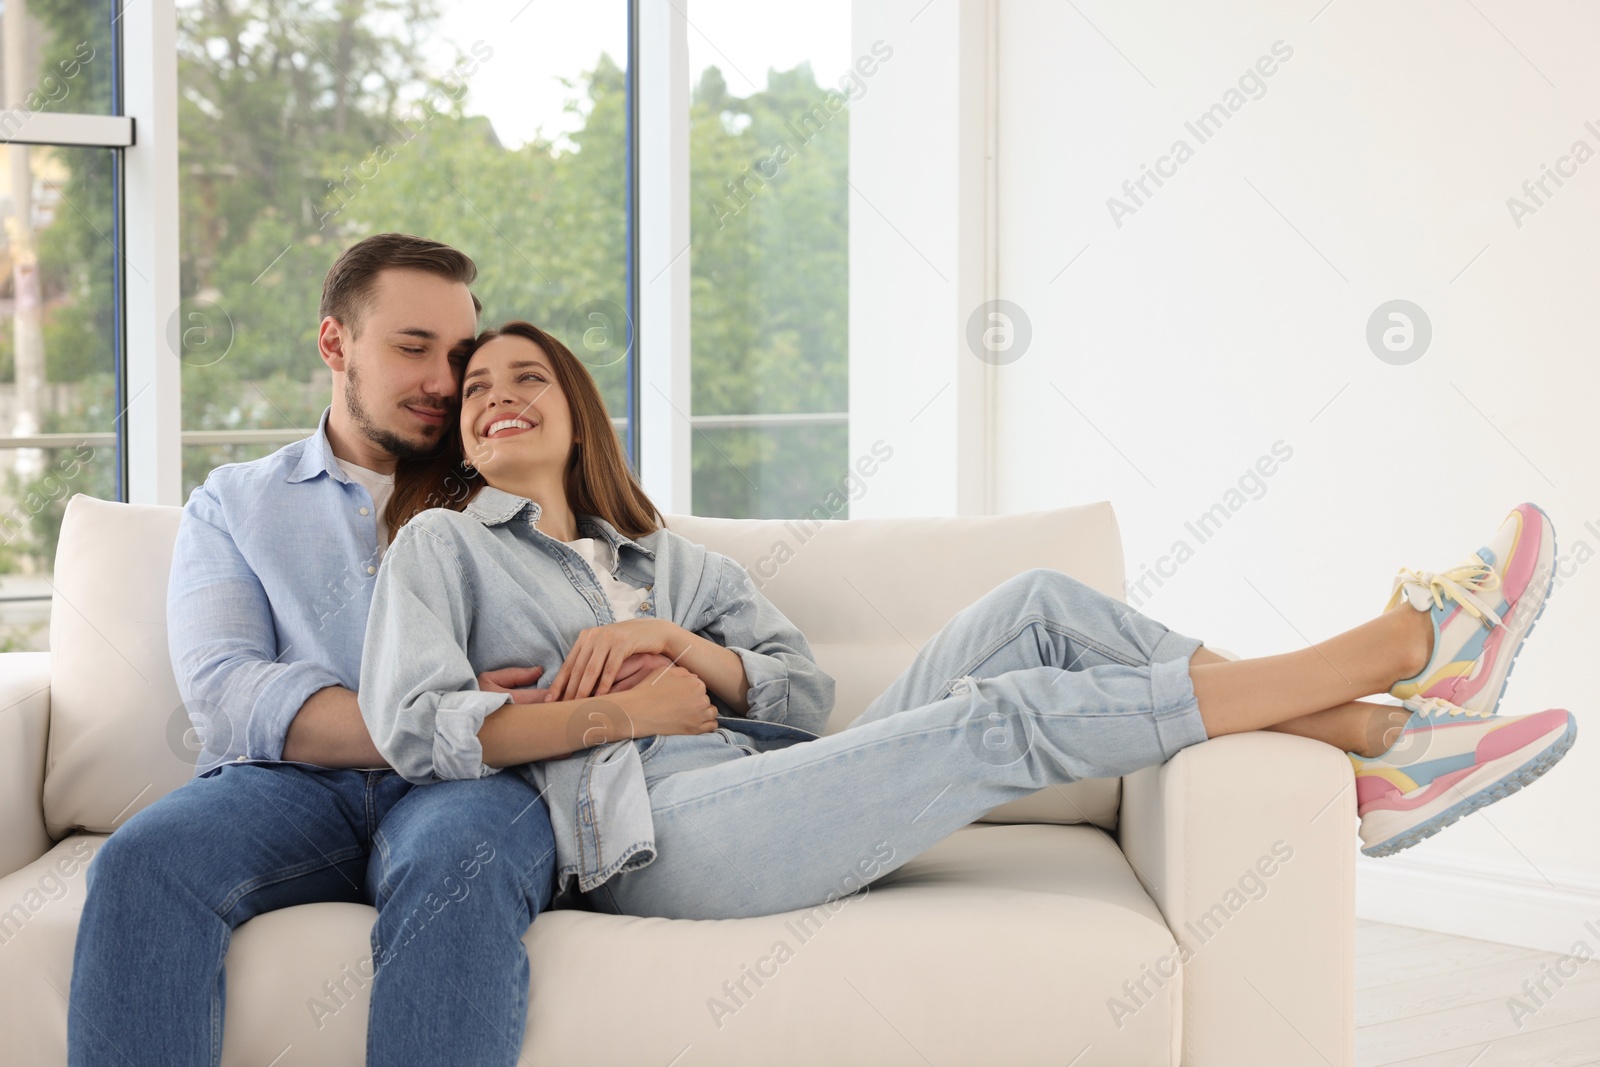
(509, 425)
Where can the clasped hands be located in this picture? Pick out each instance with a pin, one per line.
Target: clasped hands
(615, 659)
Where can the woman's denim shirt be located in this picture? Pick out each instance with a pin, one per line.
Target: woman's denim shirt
(460, 593)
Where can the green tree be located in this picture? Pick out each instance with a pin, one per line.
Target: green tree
(769, 223)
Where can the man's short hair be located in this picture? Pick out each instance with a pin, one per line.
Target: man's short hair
(347, 290)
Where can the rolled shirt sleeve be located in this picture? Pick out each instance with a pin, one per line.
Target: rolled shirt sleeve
(419, 694)
(223, 644)
(785, 683)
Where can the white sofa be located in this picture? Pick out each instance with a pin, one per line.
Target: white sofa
(1006, 944)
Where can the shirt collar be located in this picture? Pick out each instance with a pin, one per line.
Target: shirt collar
(493, 506)
(317, 455)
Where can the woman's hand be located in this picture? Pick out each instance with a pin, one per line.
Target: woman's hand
(596, 657)
(673, 702)
(518, 681)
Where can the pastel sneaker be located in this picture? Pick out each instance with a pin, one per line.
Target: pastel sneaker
(1482, 610)
(1449, 762)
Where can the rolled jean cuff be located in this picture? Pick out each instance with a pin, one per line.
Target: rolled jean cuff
(1174, 645)
(1177, 711)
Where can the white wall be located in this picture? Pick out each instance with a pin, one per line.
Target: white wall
(1229, 313)
(918, 257)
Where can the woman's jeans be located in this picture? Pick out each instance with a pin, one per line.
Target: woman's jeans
(457, 871)
(1042, 681)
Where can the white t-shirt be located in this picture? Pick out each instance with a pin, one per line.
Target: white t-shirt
(381, 488)
(625, 599)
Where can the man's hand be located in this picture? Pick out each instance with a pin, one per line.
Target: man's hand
(638, 668)
(518, 681)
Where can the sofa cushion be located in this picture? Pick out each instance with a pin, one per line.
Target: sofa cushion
(869, 593)
(117, 725)
(1000, 945)
(39, 909)
(952, 958)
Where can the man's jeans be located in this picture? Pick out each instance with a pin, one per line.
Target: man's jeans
(457, 871)
(1042, 681)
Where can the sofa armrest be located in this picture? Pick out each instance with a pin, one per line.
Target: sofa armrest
(24, 731)
(1246, 843)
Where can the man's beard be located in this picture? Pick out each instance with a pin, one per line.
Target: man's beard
(388, 440)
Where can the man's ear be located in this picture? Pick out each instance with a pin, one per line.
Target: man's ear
(332, 336)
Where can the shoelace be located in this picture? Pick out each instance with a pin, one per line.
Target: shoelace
(1461, 584)
(1432, 707)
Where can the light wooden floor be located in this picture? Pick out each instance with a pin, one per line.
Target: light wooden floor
(1432, 1000)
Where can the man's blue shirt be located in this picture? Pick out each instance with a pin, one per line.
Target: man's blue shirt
(272, 579)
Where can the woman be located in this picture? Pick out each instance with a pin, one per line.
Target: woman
(677, 745)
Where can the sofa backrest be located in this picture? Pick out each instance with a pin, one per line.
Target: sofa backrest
(866, 592)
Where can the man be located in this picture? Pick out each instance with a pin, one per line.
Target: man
(272, 579)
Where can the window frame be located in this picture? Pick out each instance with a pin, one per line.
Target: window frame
(68, 129)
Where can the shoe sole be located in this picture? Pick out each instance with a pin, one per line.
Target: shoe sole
(1544, 602)
(1528, 772)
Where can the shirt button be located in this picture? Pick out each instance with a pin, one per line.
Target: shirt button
(364, 511)
(238, 759)
(645, 606)
(372, 570)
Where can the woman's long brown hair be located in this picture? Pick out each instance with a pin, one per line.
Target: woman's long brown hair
(597, 478)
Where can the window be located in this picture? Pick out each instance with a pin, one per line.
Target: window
(769, 219)
(304, 125)
(308, 124)
(59, 282)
